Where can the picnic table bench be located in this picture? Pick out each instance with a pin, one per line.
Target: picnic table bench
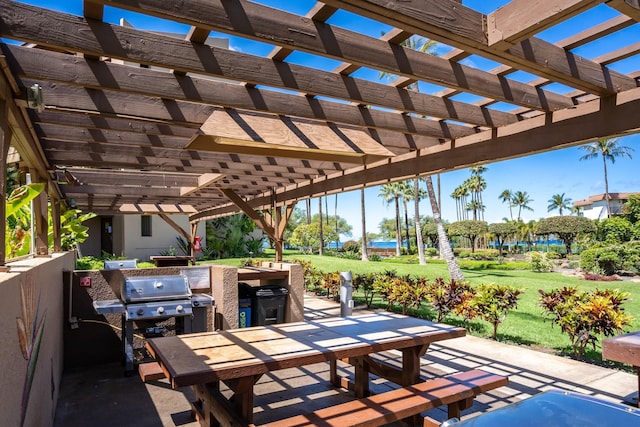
(239, 357)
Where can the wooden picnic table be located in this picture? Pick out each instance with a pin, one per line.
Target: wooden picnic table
(239, 357)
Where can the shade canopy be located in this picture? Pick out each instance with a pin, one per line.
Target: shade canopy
(160, 121)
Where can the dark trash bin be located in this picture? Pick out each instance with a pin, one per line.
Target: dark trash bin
(245, 295)
(269, 305)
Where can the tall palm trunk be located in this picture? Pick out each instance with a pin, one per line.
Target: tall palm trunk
(365, 255)
(321, 251)
(606, 187)
(308, 211)
(335, 213)
(443, 240)
(416, 204)
(406, 224)
(398, 230)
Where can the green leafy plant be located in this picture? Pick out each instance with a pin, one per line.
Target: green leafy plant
(18, 219)
(446, 297)
(364, 282)
(72, 231)
(492, 302)
(585, 315)
(540, 262)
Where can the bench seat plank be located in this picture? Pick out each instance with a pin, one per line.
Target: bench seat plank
(457, 390)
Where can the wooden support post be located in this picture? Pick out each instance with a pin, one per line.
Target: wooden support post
(5, 140)
(55, 220)
(194, 230)
(40, 219)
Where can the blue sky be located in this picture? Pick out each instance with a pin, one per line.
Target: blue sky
(541, 175)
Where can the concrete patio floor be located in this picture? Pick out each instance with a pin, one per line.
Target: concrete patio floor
(102, 396)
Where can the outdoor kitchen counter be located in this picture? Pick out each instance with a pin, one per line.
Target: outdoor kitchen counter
(239, 357)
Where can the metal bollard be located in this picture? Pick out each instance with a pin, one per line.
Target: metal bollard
(346, 291)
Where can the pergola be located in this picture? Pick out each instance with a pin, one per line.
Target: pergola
(144, 122)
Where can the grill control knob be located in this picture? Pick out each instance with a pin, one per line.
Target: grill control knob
(140, 311)
(179, 308)
(160, 310)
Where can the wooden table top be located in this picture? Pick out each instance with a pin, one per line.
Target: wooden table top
(211, 356)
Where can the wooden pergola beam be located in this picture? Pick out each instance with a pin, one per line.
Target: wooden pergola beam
(314, 37)
(631, 8)
(462, 27)
(611, 116)
(241, 67)
(522, 19)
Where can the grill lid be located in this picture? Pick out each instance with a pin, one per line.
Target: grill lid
(155, 288)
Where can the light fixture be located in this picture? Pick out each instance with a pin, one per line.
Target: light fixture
(35, 99)
(73, 204)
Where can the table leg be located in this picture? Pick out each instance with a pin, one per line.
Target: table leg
(361, 380)
(411, 365)
(242, 398)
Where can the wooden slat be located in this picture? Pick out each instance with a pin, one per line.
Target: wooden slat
(521, 19)
(462, 28)
(237, 66)
(631, 8)
(590, 34)
(586, 122)
(619, 54)
(346, 46)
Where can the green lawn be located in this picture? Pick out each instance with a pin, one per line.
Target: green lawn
(525, 325)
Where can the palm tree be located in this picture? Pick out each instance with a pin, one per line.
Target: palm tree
(407, 195)
(416, 214)
(507, 197)
(578, 210)
(557, 201)
(443, 240)
(365, 255)
(609, 150)
(321, 251)
(521, 199)
(428, 46)
(392, 192)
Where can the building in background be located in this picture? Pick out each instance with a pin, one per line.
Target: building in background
(595, 207)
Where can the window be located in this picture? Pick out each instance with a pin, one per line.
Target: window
(145, 225)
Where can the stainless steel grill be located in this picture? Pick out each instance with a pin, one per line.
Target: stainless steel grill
(155, 298)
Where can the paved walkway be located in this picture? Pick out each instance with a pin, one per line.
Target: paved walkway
(103, 397)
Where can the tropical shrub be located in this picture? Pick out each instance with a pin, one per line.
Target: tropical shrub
(446, 297)
(365, 282)
(431, 252)
(331, 282)
(383, 284)
(585, 315)
(609, 259)
(540, 262)
(614, 230)
(351, 246)
(375, 258)
(492, 303)
(408, 292)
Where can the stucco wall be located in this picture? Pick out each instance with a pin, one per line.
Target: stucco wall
(128, 241)
(162, 236)
(40, 280)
